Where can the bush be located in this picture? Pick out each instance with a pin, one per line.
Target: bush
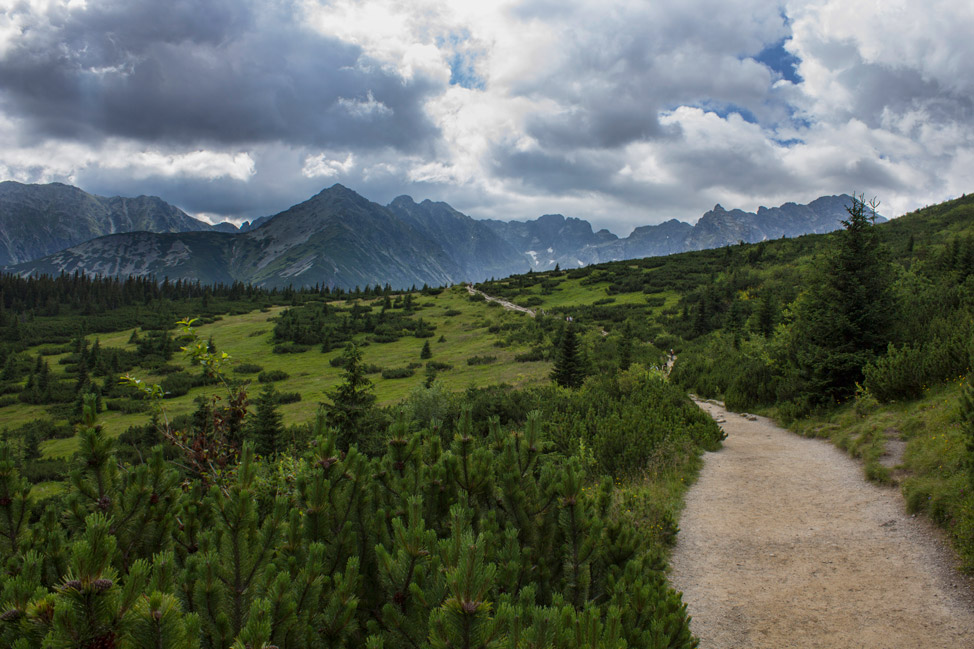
(178, 384)
(128, 406)
(47, 470)
(535, 354)
(397, 373)
(439, 366)
(270, 376)
(288, 397)
(290, 348)
(481, 360)
(248, 368)
(452, 312)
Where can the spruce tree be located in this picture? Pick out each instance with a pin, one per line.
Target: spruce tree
(625, 347)
(267, 427)
(426, 352)
(568, 371)
(352, 400)
(842, 320)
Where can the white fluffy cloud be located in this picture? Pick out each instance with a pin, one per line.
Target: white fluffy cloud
(620, 111)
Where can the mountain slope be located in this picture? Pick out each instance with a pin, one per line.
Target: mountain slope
(474, 247)
(336, 238)
(37, 220)
(339, 238)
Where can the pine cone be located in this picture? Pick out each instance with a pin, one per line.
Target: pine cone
(11, 616)
(101, 584)
(74, 584)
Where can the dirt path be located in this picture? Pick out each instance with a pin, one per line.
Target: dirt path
(503, 303)
(784, 544)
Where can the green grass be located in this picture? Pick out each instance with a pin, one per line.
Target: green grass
(248, 339)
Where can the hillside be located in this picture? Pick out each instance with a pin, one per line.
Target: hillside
(443, 409)
(37, 220)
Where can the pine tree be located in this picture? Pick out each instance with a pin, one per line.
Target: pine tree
(568, 371)
(352, 400)
(267, 426)
(625, 347)
(842, 320)
(426, 352)
(14, 503)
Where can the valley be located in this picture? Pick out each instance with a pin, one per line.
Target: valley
(528, 418)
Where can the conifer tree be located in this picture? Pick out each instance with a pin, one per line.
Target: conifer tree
(14, 503)
(426, 352)
(351, 400)
(267, 426)
(568, 371)
(625, 347)
(842, 321)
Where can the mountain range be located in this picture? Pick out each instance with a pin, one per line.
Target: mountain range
(339, 238)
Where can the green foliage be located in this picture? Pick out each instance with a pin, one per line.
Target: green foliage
(630, 422)
(352, 400)
(842, 320)
(569, 370)
(270, 376)
(397, 372)
(482, 539)
(481, 360)
(266, 426)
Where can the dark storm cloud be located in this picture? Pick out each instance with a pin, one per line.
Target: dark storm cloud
(552, 172)
(224, 72)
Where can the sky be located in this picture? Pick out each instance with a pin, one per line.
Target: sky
(622, 112)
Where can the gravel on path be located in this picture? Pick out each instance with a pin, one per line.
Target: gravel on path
(783, 543)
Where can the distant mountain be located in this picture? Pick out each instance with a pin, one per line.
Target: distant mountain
(336, 238)
(476, 249)
(553, 239)
(718, 227)
(339, 238)
(550, 239)
(37, 220)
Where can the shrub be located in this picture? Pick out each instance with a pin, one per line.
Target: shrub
(177, 384)
(397, 373)
(535, 354)
(46, 470)
(248, 368)
(290, 348)
(288, 397)
(452, 312)
(270, 376)
(439, 366)
(128, 406)
(481, 360)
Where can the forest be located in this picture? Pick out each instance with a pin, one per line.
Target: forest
(423, 468)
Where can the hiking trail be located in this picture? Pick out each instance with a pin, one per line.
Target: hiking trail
(783, 543)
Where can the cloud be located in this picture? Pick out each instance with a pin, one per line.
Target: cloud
(224, 71)
(621, 111)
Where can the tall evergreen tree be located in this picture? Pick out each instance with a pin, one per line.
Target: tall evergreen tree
(625, 347)
(569, 369)
(351, 400)
(843, 318)
(267, 427)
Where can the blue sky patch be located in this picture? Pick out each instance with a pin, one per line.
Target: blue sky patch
(780, 60)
